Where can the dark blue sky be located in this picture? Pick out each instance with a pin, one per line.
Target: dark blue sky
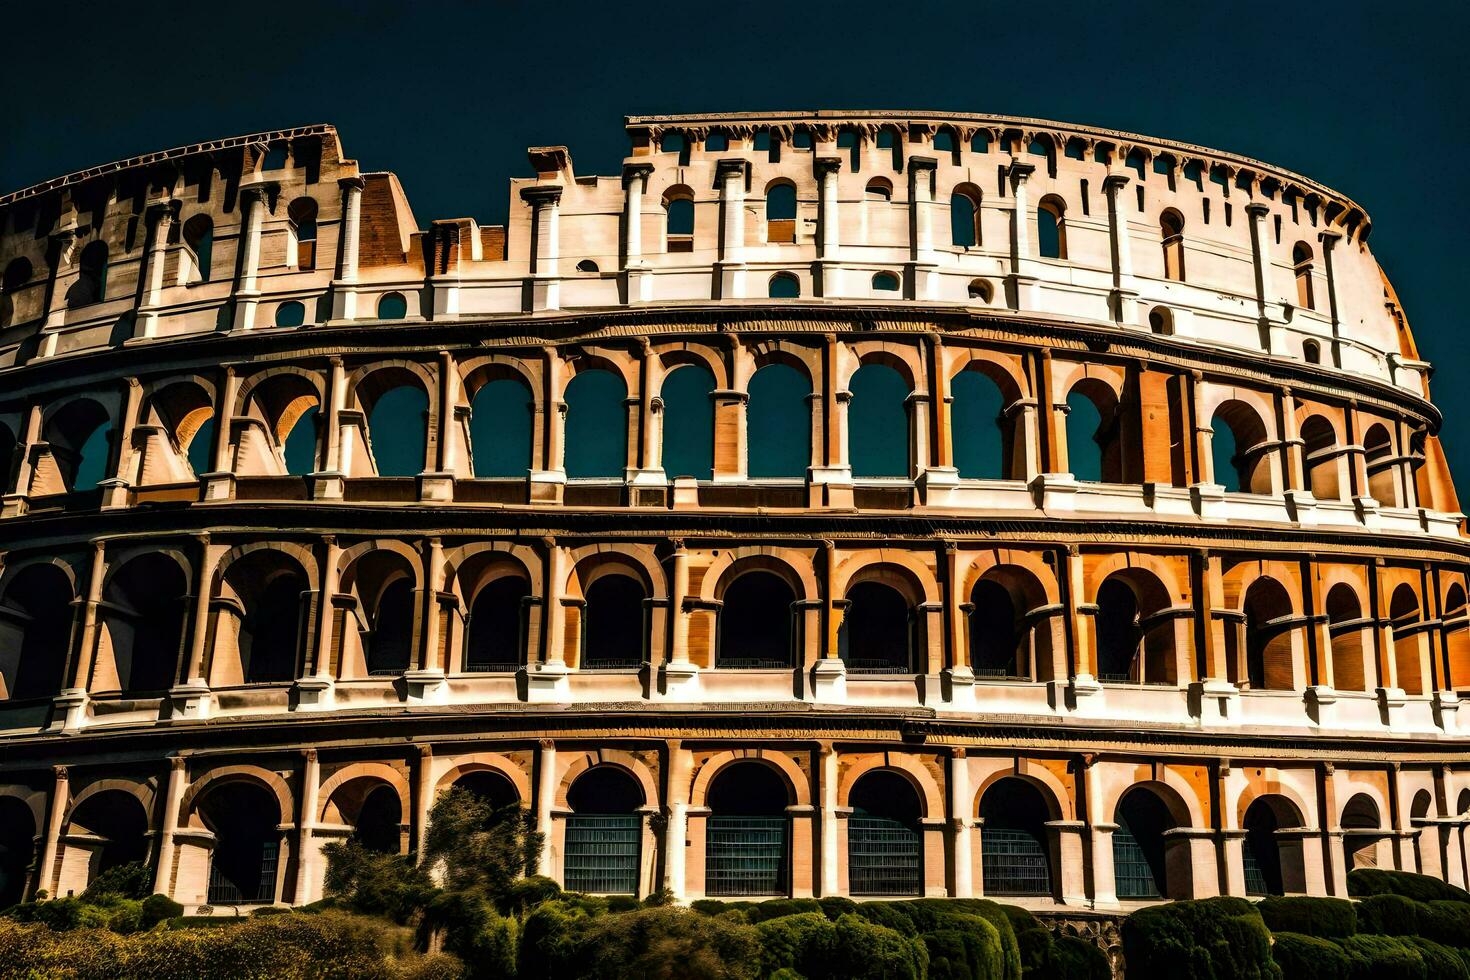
(1371, 98)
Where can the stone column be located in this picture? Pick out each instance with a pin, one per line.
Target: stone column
(423, 798)
(1081, 615)
(309, 872)
(681, 678)
(1021, 283)
(426, 684)
(1328, 240)
(219, 483)
(962, 875)
(344, 287)
(167, 821)
(923, 277)
(545, 799)
(190, 697)
(829, 240)
(547, 679)
(677, 813)
(827, 776)
(71, 702)
(829, 676)
(1125, 288)
(327, 482)
(544, 282)
(314, 686)
(731, 175)
(1104, 884)
(832, 479)
(637, 280)
(45, 879)
(1219, 698)
(254, 199)
(160, 219)
(1273, 333)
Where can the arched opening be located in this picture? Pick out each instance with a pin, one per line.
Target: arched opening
(287, 405)
(1457, 637)
(757, 629)
(272, 590)
(588, 266)
(494, 788)
(1378, 453)
(783, 285)
(378, 826)
(119, 825)
(1118, 635)
(17, 849)
(91, 284)
(1140, 869)
(1161, 321)
(302, 215)
(186, 413)
(198, 234)
(146, 601)
(496, 629)
(997, 633)
(8, 456)
(1301, 270)
(392, 306)
(1171, 233)
(679, 219)
(1269, 630)
(1094, 452)
(17, 276)
(390, 643)
(502, 414)
(1015, 856)
(689, 423)
(964, 216)
(1320, 458)
(878, 422)
(981, 290)
(778, 423)
(242, 867)
(80, 437)
(35, 632)
(397, 423)
(781, 213)
(1311, 352)
(1362, 830)
(982, 436)
(878, 630)
(290, 314)
(1410, 649)
(1136, 636)
(885, 282)
(1238, 449)
(1346, 625)
(885, 842)
(298, 448)
(597, 425)
(604, 832)
(1051, 227)
(746, 838)
(615, 624)
(1273, 863)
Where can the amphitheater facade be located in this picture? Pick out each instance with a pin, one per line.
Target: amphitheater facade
(828, 504)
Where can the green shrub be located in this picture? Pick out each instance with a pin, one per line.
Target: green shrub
(529, 892)
(1388, 915)
(1363, 882)
(933, 914)
(61, 914)
(1446, 922)
(890, 915)
(779, 907)
(131, 880)
(373, 883)
(1441, 962)
(560, 941)
(1074, 958)
(1326, 918)
(866, 951)
(156, 909)
(1304, 957)
(1383, 958)
(479, 847)
(1207, 939)
(835, 906)
(800, 943)
(972, 953)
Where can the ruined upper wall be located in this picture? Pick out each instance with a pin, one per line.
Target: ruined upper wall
(1150, 235)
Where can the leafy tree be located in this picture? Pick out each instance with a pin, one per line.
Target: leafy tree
(478, 847)
(375, 883)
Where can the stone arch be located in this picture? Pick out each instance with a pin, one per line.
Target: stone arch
(903, 358)
(671, 357)
(376, 772)
(487, 762)
(1177, 795)
(1003, 370)
(1253, 791)
(733, 563)
(590, 562)
(270, 781)
(14, 566)
(900, 569)
(347, 563)
(475, 372)
(619, 758)
(1054, 792)
(622, 364)
(302, 554)
(797, 781)
(931, 797)
(144, 791)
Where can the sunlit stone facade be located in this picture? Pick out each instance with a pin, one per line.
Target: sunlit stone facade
(829, 503)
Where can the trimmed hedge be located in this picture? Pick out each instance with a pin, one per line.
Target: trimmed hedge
(1205, 939)
(1383, 958)
(1446, 922)
(1074, 958)
(1326, 918)
(1388, 915)
(1303, 957)
(1440, 961)
(1363, 882)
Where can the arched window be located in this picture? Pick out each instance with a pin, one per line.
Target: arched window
(17, 276)
(199, 236)
(392, 306)
(1273, 866)
(614, 627)
(1237, 443)
(398, 430)
(1311, 352)
(604, 833)
(185, 412)
(1457, 637)
(885, 282)
(885, 842)
(390, 644)
(778, 423)
(1093, 450)
(964, 216)
(878, 630)
(1321, 458)
(781, 213)
(1378, 454)
(676, 143)
(91, 284)
(756, 623)
(501, 417)
(269, 587)
(981, 434)
(783, 285)
(1051, 227)
(689, 423)
(1161, 321)
(244, 818)
(1269, 653)
(1015, 857)
(145, 622)
(1363, 830)
(1171, 233)
(878, 422)
(80, 436)
(1135, 644)
(490, 787)
(944, 141)
(996, 633)
(597, 425)
(298, 449)
(118, 823)
(679, 219)
(1301, 265)
(496, 631)
(981, 290)
(287, 405)
(1139, 867)
(746, 852)
(1347, 628)
(35, 632)
(1118, 635)
(879, 189)
(378, 821)
(1410, 641)
(291, 314)
(588, 266)
(302, 215)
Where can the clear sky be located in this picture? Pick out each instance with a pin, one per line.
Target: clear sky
(1370, 98)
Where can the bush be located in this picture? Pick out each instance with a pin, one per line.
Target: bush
(478, 847)
(1388, 915)
(780, 907)
(972, 953)
(1382, 958)
(1441, 962)
(156, 909)
(796, 942)
(374, 883)
(1207, 939)
(1304, 957)
(131, 880)
(1074, 958)
(865, 951)
(1326, 918)
(1363, 882)
(834, 906)
(560, 940)
(61, 914)
(529, 892)
(1444, 922)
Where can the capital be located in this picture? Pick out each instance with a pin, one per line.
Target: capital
(351, 183)
(1113, 183)
(827, 165)
(922, 163)
(731, 167)
(541, 194)
(636, 171)
(1256, 209)
(1020, 171)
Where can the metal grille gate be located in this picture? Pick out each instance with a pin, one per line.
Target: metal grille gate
(745, 856)
(1131, 870)
(1013, 862)
(223, 891)
(884, 857)
(602, 853)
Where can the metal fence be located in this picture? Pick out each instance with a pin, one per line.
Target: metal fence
(601, 854)
(1255, 877)
(1131, 869)
(251, 888)
(1013, 862)
(884, 857)
(745, 856)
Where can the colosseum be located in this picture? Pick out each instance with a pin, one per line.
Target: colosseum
(853, 503)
